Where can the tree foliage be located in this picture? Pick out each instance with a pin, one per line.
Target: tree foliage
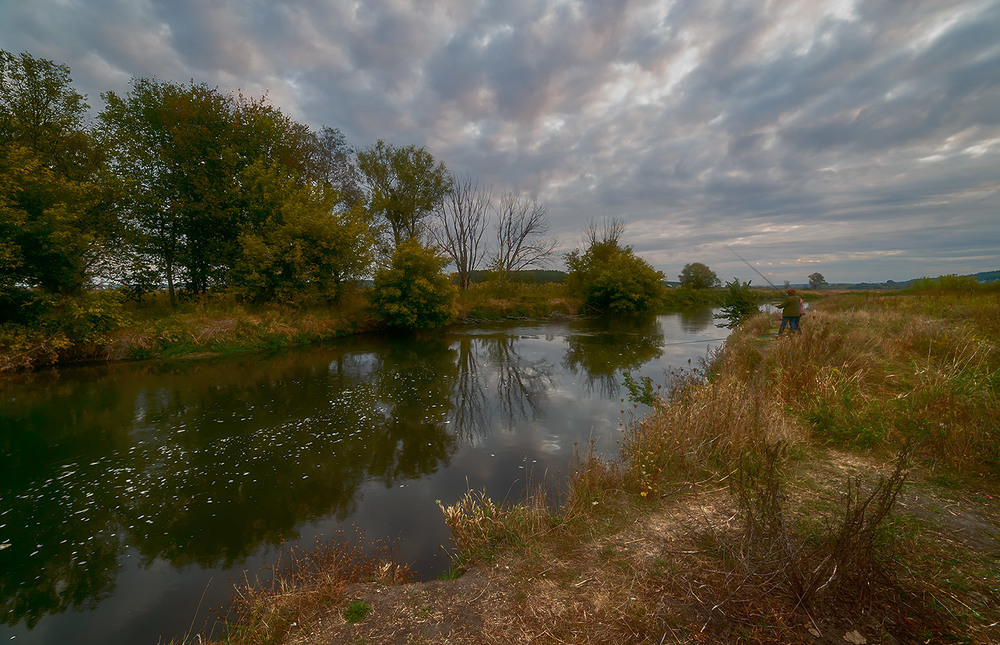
(816, 281)
(405, 186)
(698, 276)
(307, 249)
(413, 292)
(612, 278)
(189, 158)
(53, 211)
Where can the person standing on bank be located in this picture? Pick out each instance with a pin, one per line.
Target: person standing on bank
(791, 309)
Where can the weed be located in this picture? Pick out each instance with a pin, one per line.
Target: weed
(357, 611)
(479, 527)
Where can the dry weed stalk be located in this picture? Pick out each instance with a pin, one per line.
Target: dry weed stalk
(478, 525)
(845, 562)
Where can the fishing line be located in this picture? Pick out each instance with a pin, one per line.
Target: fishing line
(733, 251)
(689, 342)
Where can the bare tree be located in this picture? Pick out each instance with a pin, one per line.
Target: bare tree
(461, 222)
(607, 231)
(522, 240)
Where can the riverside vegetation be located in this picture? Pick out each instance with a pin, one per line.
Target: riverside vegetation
(833, 486)
(222, 324)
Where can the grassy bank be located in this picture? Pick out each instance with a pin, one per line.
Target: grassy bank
(219, 324)
(833, 486)
(100, 330)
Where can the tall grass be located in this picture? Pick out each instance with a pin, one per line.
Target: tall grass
(220, 324)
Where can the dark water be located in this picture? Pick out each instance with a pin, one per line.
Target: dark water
(128, 492)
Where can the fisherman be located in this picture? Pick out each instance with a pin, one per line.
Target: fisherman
(791, 309)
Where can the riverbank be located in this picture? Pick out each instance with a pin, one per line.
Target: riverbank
(834, 486)
(215, 325)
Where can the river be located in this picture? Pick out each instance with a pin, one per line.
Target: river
(133, 495)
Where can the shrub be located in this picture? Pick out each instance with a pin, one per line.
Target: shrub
(612, 278)
(413, 292)
(740, 304)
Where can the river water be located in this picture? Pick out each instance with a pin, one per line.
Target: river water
(133, 496)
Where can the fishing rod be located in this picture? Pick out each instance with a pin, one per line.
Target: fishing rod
(733, 251)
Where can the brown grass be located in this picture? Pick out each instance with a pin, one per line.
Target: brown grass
(292, 595)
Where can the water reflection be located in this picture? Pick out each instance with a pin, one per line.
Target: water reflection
(607, 346)
(694, 321)
(497, 385)
(202, 465)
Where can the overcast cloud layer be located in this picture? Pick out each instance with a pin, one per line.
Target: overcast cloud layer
(857, 139)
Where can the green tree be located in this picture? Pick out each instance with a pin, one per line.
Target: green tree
(309, 248)
(183, 153)
(413, 292)
(54, 215)
(698, 276)
(405, 186)
(612, 278)
(816, 281)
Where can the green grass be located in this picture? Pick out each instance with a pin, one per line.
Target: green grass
(357, 611)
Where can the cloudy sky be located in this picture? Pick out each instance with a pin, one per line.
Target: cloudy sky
(859, 139)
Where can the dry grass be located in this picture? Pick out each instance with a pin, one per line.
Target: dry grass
(293, 594)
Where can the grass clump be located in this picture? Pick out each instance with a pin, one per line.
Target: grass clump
(480, 527)
(297, 590)
(357, 611)
(493, 300)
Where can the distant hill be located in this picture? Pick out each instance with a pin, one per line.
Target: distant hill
(983, 276)
(987, 276)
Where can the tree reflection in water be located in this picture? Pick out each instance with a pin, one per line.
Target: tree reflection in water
(202, 463)
(606, 346)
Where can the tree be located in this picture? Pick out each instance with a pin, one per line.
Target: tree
(612, 278)
(521, 235)
(461, 222)
(172, 150)
(405, 186)
(331, 162)
(183, 154)
(308, 249)
(608, 231)
(698, 276)
(54, 215)
(816, 281)
(413, 292)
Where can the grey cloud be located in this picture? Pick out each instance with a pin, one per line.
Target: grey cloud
(787, 126)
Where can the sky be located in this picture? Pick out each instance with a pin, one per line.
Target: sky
(856, 139)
